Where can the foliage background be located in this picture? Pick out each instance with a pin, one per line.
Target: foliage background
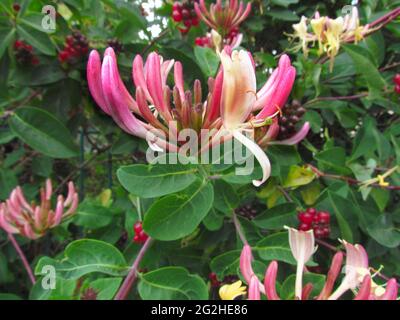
(50, 127)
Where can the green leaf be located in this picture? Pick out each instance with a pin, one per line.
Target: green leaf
(385, 232)
(343, 215)
(287, 289)
(92, 215)
(105, 288)
(43, 132)
(276, 247)
(225, 197)
(172, 283)
(226, 263)
(86, 256)
(365, 67)
(42, 166)
(298, 176)
(214, 220)
(177, 215)
(64, 290)
(207, 60)
(8, 181)
(6, 37)
(150, 181)
(277, 217)
(39, 40)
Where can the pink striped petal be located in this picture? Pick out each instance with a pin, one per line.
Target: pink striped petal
(391, 290)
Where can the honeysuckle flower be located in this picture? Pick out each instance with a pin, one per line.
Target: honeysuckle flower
(31, 220)
(329, 33)
(231, 107)
(232, 291)
(223, 18)
(357, 275)
(302, 245)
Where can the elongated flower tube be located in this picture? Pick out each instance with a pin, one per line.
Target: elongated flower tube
(31, 220)
(357, 276)
(223, 18)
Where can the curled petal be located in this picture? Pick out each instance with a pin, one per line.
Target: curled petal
(258, 153)
(178, 77)
(270, 281)
(296, 138)
(139, 77)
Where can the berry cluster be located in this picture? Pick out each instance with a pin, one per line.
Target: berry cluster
(203, 41)
(317, 220)
(76, 47)
(140, 235)
(396, 80)
(24, 54)
(116, 45)
(291, 115)
(247, 211)
(183, 12)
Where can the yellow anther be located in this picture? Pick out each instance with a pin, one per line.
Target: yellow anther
(381, 181)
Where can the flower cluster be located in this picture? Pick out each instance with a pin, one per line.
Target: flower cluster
(329, 33)
(231, 107)
(76, 47)
(224, 20)
(302, 244)
(24, 54)
(31, 220)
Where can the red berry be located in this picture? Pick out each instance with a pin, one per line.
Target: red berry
(16, 7)
(18, 44)
(177, 6)
(63, 56)
(397, 88)
(311, 211)
(195, 21)
(199, 41)
(304, 227)
(396, 79)
(136, 238)
(187, 23)
(185, 14)
(177, 16)
(137, 227)
(326, 232)
(184, 30)
(305, 217)
(318, 232)
(324, 217)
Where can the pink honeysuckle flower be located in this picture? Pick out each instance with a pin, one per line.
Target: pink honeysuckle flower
(231, 107)
(302, 245)
(254, 289)
(31, 220)
(240, 99)
(223, 18)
